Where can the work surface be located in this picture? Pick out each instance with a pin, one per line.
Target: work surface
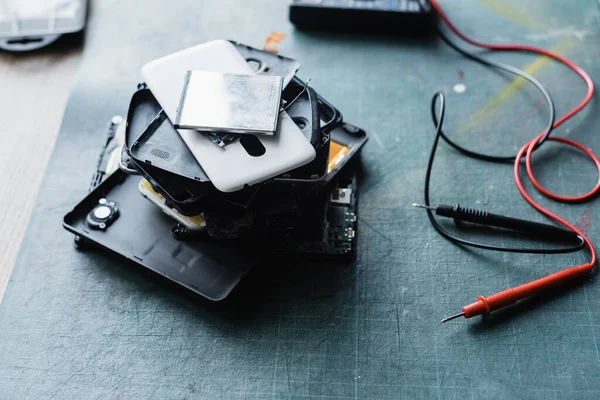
(35, 89)
(87, 325)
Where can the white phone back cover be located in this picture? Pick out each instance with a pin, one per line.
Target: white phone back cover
(229, 168)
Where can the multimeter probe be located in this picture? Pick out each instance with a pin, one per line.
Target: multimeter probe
(486, 305)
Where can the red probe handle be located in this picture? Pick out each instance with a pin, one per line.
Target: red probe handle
(485, 305)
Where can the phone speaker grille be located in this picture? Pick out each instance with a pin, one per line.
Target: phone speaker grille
(165, 155)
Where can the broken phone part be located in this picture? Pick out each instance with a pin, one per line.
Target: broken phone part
(263, 63)
(174, 220)
(142, 234)
(267, 63)
(231, 103)
(163, 158)
(194, 223)
(103, 215)
(329, 231)
(346, 142)
(247, 162)
(161, 146)
(337, 153)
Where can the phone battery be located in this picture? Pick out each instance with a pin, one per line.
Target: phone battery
(232, 103)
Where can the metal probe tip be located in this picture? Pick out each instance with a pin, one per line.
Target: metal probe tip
(423, 206)
(462, 314)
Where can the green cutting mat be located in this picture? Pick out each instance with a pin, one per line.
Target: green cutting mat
(87, 325)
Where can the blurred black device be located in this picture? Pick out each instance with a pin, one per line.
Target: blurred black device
(409, 16)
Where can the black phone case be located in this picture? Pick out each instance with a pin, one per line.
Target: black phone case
(142, 234)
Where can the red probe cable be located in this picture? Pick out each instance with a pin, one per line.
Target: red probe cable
(485, 305)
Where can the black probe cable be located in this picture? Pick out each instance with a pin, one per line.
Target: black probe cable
(509, 69)
(458, 211)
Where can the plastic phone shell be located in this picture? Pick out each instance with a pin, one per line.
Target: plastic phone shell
(239, 164)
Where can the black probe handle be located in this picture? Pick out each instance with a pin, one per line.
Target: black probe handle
(485, 218)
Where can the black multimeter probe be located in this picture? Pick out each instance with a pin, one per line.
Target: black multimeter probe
(461, 214)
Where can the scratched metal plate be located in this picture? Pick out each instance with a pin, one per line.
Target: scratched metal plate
(217, 102)
(84, 325)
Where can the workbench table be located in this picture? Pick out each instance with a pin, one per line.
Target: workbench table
(88, 325)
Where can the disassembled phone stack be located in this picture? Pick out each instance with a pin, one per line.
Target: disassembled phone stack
(226, 158)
